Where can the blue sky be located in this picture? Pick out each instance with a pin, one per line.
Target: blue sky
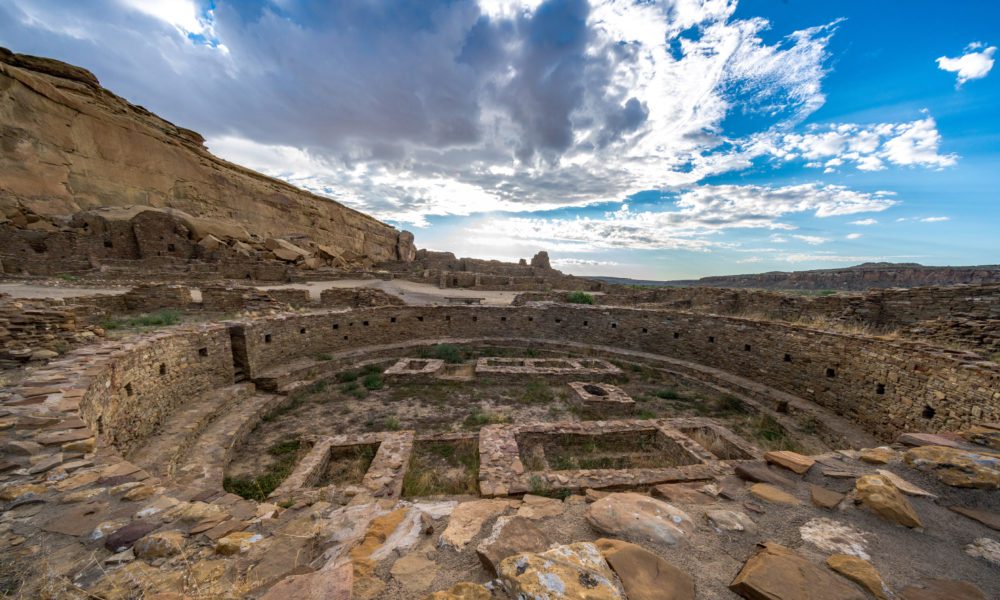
(646, 139)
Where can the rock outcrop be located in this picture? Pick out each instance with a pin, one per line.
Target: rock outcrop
(67, 145)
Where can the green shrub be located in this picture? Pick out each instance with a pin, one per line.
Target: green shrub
(324, 356)
(347, 376)
(449, 353)
(161, 318)
(579, 298)
(668, 394)
(372, 381)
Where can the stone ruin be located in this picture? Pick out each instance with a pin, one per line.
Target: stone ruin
(122, 459)
(189, 434)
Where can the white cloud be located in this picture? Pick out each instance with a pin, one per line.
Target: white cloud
(812, 240)
(971, 65)
(934, 219)
(853, 236)
(865, 222)
(701, 213)
(584, 262)
(866, 147)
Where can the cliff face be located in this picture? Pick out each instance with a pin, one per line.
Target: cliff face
(860, 277)
(69, 145)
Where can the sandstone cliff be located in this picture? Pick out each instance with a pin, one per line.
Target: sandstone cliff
(69, 145)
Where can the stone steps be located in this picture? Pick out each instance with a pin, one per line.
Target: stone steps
(185, 425)
(204, 463)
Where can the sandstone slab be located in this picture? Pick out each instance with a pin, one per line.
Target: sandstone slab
(793, 461)
(769, 493)
(861, 572)
(636, 516)
(468, 518)
(957, 468)
(757, 472)
(334, 582)
(824, 497)
(987, 518)
(777, 573)
(159, 544)
(540, 507)
(462, 591)
(644, 575)
(414, 572)
(679, 493)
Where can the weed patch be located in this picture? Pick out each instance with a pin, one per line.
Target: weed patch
(579, 298)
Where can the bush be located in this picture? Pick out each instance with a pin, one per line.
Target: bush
(347, 376)
(447, 352)
(161, 318)
(324, 356)
(579, 298)
(372, 381)
(668, 394)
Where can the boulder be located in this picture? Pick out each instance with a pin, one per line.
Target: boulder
(468, 518)
(942, 589)
(540, 507)
(209, 243)
(729, 520)
(882, 455)
(333, 582)
(510, 536)
(777, 573)
(793, 461)
(125, 537)
(955, 467)
(237, 542)
(985, 548)
(644, 575)
(274, 244)
(159, 544)
(880, 495)
(859, 571)
(572, 572)
(632, 515)
(984, 436)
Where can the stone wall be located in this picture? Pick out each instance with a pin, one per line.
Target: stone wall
(887, 387)
(126, 388)
(143, 382)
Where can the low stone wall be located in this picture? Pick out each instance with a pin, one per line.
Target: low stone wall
(143, 382)
(147, 298)
(887, 387)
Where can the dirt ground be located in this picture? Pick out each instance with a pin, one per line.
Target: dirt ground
(337, 407)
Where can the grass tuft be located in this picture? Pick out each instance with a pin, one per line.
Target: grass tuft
(579, 298)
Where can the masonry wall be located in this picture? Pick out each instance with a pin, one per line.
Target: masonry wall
(144, 382)
(886, 387)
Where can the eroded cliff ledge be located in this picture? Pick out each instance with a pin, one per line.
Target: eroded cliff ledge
(69, 145)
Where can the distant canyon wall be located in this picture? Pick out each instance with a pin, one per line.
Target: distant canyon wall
(69, 145)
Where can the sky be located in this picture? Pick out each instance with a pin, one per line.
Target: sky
(633, 138)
